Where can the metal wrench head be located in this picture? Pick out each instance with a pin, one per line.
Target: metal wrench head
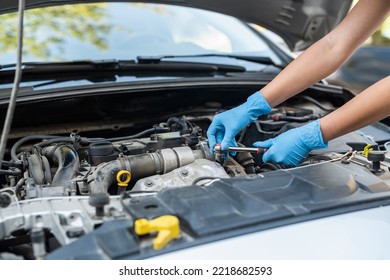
(219, 154)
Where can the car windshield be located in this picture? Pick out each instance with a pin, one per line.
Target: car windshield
(125, 31)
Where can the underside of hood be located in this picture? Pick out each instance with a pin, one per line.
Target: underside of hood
(299, 22)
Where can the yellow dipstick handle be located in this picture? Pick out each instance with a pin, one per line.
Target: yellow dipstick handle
(123, 178)
(167, 227)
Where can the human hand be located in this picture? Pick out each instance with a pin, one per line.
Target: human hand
(226, 125)
(295, 144)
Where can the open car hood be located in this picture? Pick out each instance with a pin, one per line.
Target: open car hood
(299, 22)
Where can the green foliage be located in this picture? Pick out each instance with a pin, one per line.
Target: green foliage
(49, 26)
(382, 36)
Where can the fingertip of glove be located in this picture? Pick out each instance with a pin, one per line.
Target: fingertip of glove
(257, 144)
(212, 144)
(263, 144)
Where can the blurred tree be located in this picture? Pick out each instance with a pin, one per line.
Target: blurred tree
(49, 26)
(382, 36)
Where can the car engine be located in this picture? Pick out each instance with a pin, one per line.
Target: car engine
(170, 154)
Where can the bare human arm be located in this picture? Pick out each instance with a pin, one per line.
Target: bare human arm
(371, 105)
(325, 56)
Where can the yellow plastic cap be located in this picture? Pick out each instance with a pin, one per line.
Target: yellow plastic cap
(167, 227)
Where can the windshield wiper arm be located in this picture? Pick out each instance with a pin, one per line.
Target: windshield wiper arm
(251, 58)
(123, 66)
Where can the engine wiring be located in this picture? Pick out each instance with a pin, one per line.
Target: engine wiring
(140, 134)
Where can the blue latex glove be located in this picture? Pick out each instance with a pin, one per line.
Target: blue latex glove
(226, 125)
(295, 144)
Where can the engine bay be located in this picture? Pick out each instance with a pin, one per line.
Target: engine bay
(60, 188)
(173, 153)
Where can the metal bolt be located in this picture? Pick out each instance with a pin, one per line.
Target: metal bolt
(184, 172)
(72, 216)
(149, 183)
